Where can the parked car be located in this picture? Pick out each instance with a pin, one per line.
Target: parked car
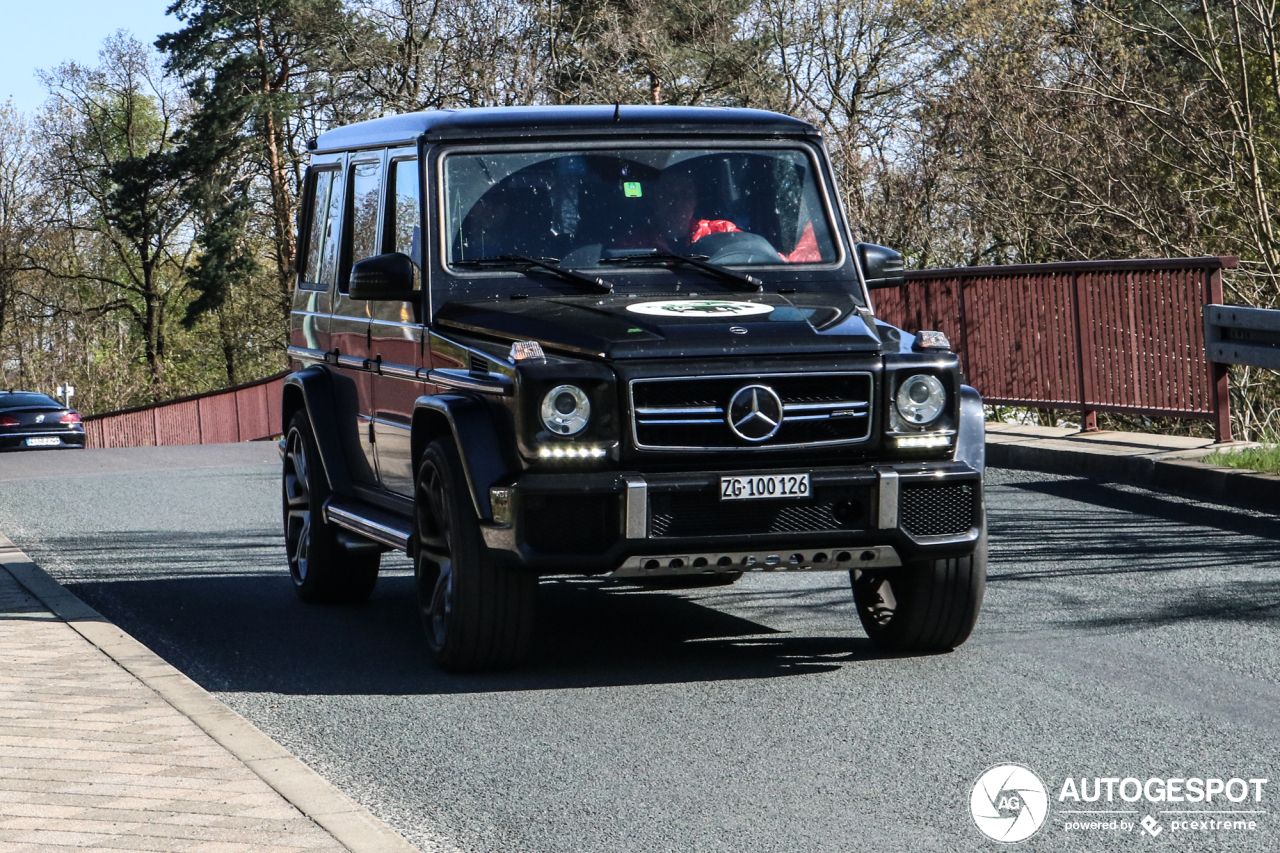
(31, 421)
(635, 342)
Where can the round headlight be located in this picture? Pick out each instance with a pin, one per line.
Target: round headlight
(565, 410)
(921, 399)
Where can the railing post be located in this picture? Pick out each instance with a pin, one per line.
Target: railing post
(1218, 372)
(1084, 376)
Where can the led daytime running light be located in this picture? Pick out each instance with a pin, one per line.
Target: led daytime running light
(571, 452)
(923, 441)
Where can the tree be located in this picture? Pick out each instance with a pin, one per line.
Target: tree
(18, 191)
(108, 136)
(247, 64)
(650, 51)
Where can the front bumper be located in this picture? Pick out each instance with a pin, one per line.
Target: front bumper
(633, 524)
(17, 440)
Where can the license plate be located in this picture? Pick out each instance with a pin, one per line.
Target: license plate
(764, 486)
(52, 441)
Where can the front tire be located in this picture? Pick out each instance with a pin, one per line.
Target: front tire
(477, 614)
(322, 569)
(924, 605)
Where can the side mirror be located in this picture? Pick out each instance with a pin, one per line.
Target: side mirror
(881, 266)
(383, 277)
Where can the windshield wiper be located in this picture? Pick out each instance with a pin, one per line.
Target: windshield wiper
(746, 282)
(548, 264)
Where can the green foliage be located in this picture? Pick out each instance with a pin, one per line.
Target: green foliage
(1264, 458)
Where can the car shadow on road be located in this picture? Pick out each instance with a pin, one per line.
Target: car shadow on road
(1149, 559)
(230, 620)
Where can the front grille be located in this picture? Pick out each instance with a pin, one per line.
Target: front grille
(936, 510)
(703, 513)
(570, 524)
(693, 413)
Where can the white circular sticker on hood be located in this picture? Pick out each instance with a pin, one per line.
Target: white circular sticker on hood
(699, 308)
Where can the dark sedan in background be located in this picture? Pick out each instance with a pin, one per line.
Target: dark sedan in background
(36, 421)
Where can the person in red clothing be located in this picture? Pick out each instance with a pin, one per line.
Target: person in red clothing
(673, 203)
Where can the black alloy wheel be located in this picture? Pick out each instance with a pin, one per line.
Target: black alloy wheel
(922, 605)
(477, 614)
(322, 568)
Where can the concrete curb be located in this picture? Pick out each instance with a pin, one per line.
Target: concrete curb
(351, 824)
(1170, 470)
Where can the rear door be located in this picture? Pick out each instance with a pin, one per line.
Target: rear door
(320, 218)
(396, 328)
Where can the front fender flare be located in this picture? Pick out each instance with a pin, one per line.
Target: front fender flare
(320, 400)
(473, 432)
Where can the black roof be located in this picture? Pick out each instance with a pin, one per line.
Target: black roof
(525, 122)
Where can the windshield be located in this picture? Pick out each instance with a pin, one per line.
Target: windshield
(749, 207)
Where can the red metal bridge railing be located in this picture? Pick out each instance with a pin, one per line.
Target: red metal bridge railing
(1096, 336)
(242, 413)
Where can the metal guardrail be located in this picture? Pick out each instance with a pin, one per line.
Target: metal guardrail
(242, 413)
(1239, 335)
(1095, 336)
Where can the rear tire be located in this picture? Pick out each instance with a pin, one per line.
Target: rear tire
(477, 614)
(924, 605)
(323, 570)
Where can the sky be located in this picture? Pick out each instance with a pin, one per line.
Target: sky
(46, 33)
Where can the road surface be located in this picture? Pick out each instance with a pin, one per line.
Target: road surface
(1126, 634)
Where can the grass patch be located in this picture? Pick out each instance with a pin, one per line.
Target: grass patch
(1265, 458)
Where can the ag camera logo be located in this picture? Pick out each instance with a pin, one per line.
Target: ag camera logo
(1009, 803)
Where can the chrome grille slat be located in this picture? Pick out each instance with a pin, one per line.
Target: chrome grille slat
(697, 410)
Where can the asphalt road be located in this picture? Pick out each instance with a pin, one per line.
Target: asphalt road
(1126, 633)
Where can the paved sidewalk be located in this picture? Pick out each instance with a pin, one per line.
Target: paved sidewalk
(93, 759)
(1162, 461)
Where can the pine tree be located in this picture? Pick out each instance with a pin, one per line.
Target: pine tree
(248, 64)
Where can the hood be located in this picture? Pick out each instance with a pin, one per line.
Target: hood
(651, 326)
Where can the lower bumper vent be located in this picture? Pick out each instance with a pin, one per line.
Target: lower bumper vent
(936, 510)
(570, 524)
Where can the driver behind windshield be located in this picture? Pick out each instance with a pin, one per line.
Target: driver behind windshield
(674, 224)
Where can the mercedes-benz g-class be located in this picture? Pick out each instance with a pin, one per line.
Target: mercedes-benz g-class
(635, 342)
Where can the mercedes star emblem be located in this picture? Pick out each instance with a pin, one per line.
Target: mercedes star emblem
(755, 413)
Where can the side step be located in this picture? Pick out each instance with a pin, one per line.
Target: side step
(390, 529)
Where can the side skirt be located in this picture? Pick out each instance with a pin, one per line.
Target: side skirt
(383, 527)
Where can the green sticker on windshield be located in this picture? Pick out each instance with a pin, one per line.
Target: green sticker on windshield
(631, 189)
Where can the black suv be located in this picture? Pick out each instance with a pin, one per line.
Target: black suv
(623, 341)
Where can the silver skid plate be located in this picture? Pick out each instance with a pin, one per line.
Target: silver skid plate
(803, 560)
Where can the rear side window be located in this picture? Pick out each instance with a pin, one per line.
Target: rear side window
(366, 185)
(19, 400)
(332, 226)
(402, 211)
(317, 210)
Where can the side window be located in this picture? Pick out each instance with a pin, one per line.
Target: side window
(402, 211)
(332, 228)
(317, 214)
(366, 184)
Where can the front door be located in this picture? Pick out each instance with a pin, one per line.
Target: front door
(349, 325)
(396, 330)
